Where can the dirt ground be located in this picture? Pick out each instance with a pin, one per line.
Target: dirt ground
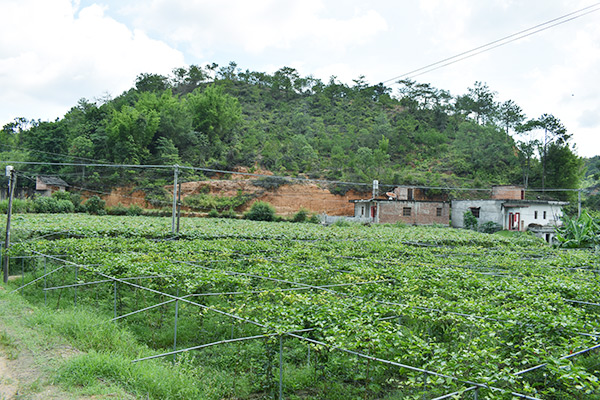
(287, 199)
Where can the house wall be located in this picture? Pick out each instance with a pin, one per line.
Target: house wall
(528, 215)
(507, 192)
(421, 213)
(489, 210)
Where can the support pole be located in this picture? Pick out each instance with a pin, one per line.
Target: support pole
(178, 207)
(579, 203)
(174, 215)
(280, 367)
(11, 189)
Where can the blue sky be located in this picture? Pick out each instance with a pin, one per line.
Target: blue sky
(54, 52)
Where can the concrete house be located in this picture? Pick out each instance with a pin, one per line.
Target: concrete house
(511, 211)
(405, 204)
(46, 185)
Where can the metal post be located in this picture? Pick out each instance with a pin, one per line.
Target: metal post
(579, 203)
(178, 207)
(175, 173)
(115, 304)
(476, 394)
(75, 295)
(45, 284)
(280, 367)
(11, 190)
(175, 328)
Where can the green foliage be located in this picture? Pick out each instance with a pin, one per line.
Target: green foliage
(470, 221)
(52, 205)
(300, 216)
(206, 201)
(579, 232)
(95, 205)
(213, 213)
(488, 227)
(261, 211)
(18, 206)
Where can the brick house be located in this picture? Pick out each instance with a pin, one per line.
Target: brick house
(408, 205)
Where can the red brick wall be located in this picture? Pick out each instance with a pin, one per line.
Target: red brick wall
(507, 192)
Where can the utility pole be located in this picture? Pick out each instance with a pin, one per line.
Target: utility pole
(12, 180)
(174, 216)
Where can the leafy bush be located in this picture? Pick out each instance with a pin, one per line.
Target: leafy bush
(134, 210)
(213, 213)
(261, 211)
(229, 214)
(45, 205)
(300, 216)
(95, 205)
(470, 221)
(206, 201)
(64, 206)
(18, 206)
(490, 227)
(119, 209)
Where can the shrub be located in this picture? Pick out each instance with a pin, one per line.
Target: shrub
(470, 221)
(119, 209)
(45, 205)
(229, 214)
(490, 227)
(95, 205)
(213, 213)
(134, 210)
(18, 206)
(300, 216)
(64, 206)
(261, 211)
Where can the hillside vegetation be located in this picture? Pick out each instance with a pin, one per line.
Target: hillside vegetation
(222, 117)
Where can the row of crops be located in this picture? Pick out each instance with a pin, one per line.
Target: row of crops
(305, 311)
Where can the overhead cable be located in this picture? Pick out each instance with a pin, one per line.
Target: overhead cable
(497, 43)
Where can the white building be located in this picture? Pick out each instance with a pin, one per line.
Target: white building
(508, 209)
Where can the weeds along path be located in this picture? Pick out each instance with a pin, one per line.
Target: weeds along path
(28, 358)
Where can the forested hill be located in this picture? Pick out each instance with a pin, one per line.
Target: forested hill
(223, 117)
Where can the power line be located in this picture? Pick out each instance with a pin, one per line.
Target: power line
(497, 43)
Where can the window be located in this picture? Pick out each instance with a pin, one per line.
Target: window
(544, 214)
(475, 211)
(410, 194)
(362, 211)
(406, 211)
(438, 212)
(535, 215)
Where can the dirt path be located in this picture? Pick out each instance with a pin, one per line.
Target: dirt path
(28, 357)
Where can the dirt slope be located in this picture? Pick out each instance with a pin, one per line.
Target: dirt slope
(287, 199)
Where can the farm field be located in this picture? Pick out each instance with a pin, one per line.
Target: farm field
(301, 311)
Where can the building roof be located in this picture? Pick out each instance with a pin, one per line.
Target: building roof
(52, 180)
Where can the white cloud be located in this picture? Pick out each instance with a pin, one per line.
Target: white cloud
(52, 54)
(255, 26)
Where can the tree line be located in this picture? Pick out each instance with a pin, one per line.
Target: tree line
(222, 117)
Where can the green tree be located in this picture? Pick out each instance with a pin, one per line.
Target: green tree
(510, 115)
(215, 114)
(553, 132)
(130, 132)
(564, 169)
